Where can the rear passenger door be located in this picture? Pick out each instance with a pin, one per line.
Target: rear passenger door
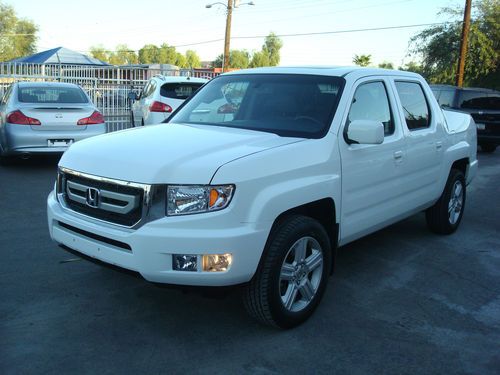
(371, 174)
(424, 143)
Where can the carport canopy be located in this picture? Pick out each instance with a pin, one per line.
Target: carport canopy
(60, 55)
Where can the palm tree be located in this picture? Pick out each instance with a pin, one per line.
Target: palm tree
(362, 60)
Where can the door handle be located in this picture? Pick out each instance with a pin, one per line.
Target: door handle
(398, 155)
(439, 145)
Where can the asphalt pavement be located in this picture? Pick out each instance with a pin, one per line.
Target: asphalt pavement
(402, 301)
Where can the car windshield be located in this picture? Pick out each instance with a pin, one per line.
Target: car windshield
(51, 94)
(289, 105)
(480, 100)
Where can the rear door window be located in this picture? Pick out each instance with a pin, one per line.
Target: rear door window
(415, 106)
(179, 90)
(51, 94)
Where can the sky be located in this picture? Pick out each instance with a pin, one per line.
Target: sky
(78, 25)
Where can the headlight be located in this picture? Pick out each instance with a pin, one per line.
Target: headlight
(193, 199)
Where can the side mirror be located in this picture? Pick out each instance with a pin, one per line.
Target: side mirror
(132, 95)
(365, 132)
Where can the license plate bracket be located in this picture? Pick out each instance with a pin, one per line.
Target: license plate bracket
(59, 142)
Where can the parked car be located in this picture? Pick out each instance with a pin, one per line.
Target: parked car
(45, 117)
(160, 97)
(260, 176)
(482, 104)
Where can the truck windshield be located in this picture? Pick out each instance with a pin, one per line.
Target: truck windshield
(480, 100)
(290, 105)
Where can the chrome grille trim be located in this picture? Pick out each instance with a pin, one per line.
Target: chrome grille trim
(130, 201)
(148, 193)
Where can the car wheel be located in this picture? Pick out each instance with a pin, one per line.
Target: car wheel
(488, 147)
(446, 214)
(291, 278)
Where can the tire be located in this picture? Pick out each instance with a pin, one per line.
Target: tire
(445, 216)
(488, 147)
(292, 275)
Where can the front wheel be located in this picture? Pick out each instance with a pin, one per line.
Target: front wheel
(446, 214)
(291, 279)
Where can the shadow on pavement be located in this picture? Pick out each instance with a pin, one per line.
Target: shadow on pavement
(35, 161)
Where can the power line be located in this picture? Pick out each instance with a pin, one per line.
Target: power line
(322, 32)
(299, 34)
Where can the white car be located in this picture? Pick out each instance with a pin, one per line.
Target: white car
(160, 97)
(260, 176)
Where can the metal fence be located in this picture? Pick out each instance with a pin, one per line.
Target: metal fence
(108, 87)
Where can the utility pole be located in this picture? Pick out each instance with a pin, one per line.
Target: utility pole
(229, 9)
(463, 44)
(227, 39)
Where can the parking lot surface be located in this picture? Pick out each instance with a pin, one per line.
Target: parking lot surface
(402, 301)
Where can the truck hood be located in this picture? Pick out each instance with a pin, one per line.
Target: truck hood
(167, 153)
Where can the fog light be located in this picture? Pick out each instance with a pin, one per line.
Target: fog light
(216, 262)
(183, 262)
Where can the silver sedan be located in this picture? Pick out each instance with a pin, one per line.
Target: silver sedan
(45, 117)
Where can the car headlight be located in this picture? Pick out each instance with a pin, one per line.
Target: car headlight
(193, 199)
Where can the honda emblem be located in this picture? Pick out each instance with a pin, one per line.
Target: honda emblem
(92, 197)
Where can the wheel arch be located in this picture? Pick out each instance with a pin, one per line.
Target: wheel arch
(322, 210)
(462, 165)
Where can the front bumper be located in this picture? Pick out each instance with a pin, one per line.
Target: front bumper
(150, 247)
(22, 139)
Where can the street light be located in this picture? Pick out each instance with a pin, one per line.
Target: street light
(229, 8)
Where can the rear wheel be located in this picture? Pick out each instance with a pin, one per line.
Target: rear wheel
(446, 214)
(292, 276)
(488, 147)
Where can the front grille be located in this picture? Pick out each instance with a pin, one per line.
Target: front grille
(112, 201)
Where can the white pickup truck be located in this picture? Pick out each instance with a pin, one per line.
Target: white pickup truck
(260, 176)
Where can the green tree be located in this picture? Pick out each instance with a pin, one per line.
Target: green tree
(362, 60)
(167, 54)
(17, 35)
(412, 66)
(149, 54)
(272, 46)
(99, 52)
(123, 56)
(438, 46)
(386, 65)
(180, 60)
(192, 59)
(238, 59)
(259, 59)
